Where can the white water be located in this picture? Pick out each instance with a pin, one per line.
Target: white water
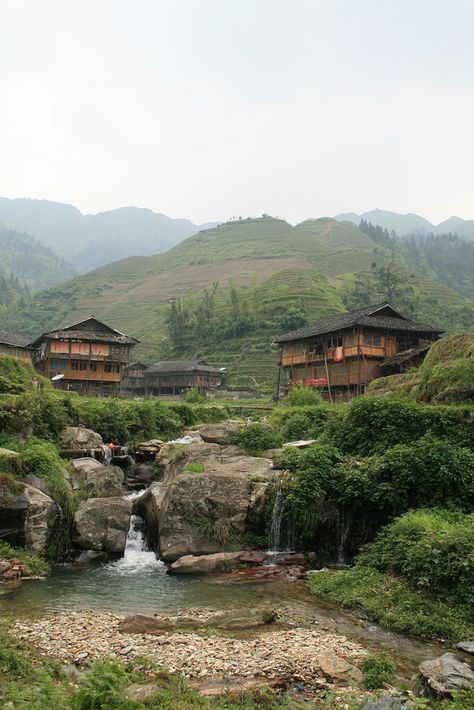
(137, 558)
(275, 528)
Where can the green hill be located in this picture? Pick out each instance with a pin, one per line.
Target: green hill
(271, 277)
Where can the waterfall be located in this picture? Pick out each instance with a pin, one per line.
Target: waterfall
(343, 530)
(275, 528)
(136, 557)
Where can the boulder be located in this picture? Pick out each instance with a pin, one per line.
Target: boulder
(337, 669)
(466, 646)
(222, 432)
(139, 692)
(8, 456)
(206, 564)
(442, 675)
(268, 573)
(27, 516)
(38, 483)
(147, 450)
(78, 437)
(98, 481)
(230, 621)
(102, 524)
(141, 476)
(85, 464)
(88, 557)
(301, 444)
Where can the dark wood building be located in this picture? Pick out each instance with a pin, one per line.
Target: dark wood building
(133, 382)
(174, 377)
(14, 345)
(343, 352)
(89, 354)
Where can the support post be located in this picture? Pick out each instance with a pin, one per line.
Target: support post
(327, 377)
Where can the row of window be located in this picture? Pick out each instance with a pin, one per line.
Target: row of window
(82, 366)
(370, 340)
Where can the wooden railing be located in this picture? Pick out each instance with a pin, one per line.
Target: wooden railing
(351, 351)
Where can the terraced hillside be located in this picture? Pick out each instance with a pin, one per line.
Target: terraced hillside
(275, 269)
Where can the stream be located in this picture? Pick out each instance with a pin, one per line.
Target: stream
(138, 583)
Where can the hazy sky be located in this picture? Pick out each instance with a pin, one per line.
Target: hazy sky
(212, 108)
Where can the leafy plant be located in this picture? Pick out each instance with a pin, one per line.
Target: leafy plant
(301, 395)
(194, 467)
(377, 670)
(221, 530)
(257, 437)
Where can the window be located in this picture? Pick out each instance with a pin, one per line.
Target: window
(350, 339)
(80, 348)
(78, 365)
(93, 366)
(100, 349)
(111, 367)
(58, 364)
(316, 348)
(59, 346)
(374, 341)
(334, 343)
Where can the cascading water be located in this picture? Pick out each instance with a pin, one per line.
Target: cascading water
(275, 528)
(136, 557)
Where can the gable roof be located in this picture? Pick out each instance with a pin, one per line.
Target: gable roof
(170, 366)
(90, 329)
(8, 338)
(381, 315)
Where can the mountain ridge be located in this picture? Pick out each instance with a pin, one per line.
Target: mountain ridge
(410, 223)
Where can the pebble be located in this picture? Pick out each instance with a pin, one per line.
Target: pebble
(291, 653)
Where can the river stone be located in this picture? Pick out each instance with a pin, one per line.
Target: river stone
(444, 674)
(206, 564)
(222, 432)
(140, 692)
(27, 516)
(337, 669)
(102, 524)
(77, 437)
(466, 646)
(38, 483)
(386, 702)
(85, 464)
(98, 481)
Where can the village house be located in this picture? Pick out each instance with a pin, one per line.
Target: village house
(176, 377)
(133, 382)
(14, 345)
(343, 352)
(89, 355)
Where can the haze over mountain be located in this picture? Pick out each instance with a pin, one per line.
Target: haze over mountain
(88, 241)
(407, 224)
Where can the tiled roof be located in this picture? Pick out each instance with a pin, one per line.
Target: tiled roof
(369, 317)
(182, 366)
(13, 339)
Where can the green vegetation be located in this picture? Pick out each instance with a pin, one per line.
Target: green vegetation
(234, 288)
(17, 377)
(220, 530)
(377, 670)
(195, 467)
(34, 563)
(256, 437)
(302, 396)
(393, 603)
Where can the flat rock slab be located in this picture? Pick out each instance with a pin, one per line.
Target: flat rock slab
(266, 573)
(466, 646)
(387, 702)
(156, 626)
(206, 564)
(235, 686)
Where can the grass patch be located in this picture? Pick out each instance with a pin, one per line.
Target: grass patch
(195, 467)
(392, 603)
(377, 670)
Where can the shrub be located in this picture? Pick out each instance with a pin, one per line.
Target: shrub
(377, 670)
(300, 396)
(104, 687)
(298, 426)
(257, 437)
(432, 549)
(193, 396)
(36, 565)
(392, 603)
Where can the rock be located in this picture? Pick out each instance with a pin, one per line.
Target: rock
(466, 646)
(98, 481)
(138, 692)
(181, 510)
(222, 432)
(147, 450)
(102, 524)
(266, 573)
(386, 702)
(301, 444)
(140, 476)
(73, 437)
(85, 464)
(230, 621)
(233, 450)
(4, 566)
(9, 456)
(88, 557)
(206, 564)
(292, 560)
(27, 516)
(440, 676)
(228, 686)
(337, 669)
(38, 483)
(254, 557)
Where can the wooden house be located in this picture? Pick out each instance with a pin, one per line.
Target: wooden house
(89, 354)
(343, 352)
(133, 382)
(14, 345)
(175, 377)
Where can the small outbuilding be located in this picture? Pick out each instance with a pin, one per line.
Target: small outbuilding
(176, 377)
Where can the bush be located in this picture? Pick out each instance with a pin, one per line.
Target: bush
(298, 426)
(36, 565)
(373, 424)
(196, 467)
(377, 671)
(432, 549)
(392, 603)
(193, 396)
(301, 396)
(256, 437)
